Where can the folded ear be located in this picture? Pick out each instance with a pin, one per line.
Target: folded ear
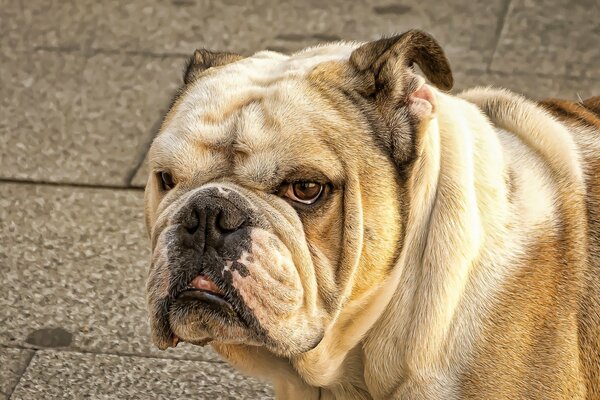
(204, 59)
(404, 102)
(386, 58)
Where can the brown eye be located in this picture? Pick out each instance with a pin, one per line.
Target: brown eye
(304, 192)
(166, 180)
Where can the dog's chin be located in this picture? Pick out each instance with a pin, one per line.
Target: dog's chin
(200, 317)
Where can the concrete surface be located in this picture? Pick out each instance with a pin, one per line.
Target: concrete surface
(83, 85)
(13, 362)
(52, 375)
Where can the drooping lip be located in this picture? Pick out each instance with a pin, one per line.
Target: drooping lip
(202, 293)
(202, 282)
(211, 308)
(202, 288)
(193, 294)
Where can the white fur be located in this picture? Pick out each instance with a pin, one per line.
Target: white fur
(414, 334)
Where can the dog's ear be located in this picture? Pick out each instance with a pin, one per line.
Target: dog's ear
(387, 58)
(203, 59)
(384, 74)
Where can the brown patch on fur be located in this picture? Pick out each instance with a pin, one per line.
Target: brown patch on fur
(204, 59)
(334, 81)
(589, 312)
(553, 305)
(413, 46)
(569, 111)
(587, 113)
(593, 104)
(331, 73)
(530, 347)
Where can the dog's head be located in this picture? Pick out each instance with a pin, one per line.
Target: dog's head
(276, 192)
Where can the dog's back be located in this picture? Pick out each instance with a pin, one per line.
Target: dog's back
(583, 119)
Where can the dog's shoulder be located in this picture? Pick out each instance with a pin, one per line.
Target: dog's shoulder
(546, 295)
(586, 113)
(583, 120)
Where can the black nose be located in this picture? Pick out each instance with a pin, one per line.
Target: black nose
(207, 223)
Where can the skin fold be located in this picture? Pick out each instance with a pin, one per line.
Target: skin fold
(454, 251)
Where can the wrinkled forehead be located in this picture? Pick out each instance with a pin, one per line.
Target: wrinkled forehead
(255, 77)
(258, 105)
(267, 77)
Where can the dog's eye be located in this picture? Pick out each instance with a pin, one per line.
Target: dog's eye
(304, 192)
(166, 180)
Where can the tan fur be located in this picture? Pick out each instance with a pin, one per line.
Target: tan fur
(471, 272)
(583, 119)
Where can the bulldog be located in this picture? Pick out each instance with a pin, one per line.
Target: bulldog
(333, 223)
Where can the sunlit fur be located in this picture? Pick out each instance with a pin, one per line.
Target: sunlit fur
(460, 280)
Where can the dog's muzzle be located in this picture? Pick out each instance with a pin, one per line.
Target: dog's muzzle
(190, 291)
(209, 223)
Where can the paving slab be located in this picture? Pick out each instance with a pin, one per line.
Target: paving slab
(27, 24)
(532, 86)
(141, 175)
(553, 37)
(467, 29)
(78, 117)
(73, 262)
(12, 364)
(60, 375)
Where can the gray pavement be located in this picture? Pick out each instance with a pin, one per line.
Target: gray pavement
(83, 85)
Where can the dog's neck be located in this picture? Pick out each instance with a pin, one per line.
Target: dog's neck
(443, 187)
(417, 331)
(451, 273)
(419, 318)
(459, 176)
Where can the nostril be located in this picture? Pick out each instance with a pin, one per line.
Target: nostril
(229, 221)
(192, 223)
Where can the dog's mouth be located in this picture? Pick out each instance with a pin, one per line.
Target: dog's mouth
(204, 289)
(203, 311)
(201, 294)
